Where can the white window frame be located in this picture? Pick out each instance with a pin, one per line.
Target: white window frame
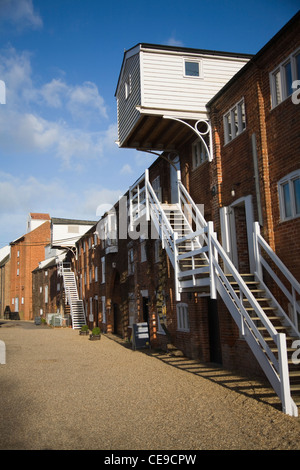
(200, 68)
(199, 153)
(46, 294)
(278, 83)
(234, 121)
(103, 269)
(288, 180)
(103, 309)
(183, 323)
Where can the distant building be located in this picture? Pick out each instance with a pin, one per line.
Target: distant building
(4, 279)
(26, 253)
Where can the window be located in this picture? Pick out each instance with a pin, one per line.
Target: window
(199, 152)
(234, 121)
(143, 252)
(289, 196)
(157, 188)
(46, 294)
(103, 269)
(162, 318)
(182, 317)
(282, 78)
(130, 261)
(103, 309)
(127, 87)
(192, 68)
(96, 273)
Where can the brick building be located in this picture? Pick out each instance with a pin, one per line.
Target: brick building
(238, 158)
(4, 279)
(26, 253)
(48, 295)
(197, 247)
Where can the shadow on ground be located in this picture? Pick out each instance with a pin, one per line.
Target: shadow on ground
(252, 387)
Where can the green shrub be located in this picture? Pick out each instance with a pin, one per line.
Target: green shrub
(84, 328)
(96, 331)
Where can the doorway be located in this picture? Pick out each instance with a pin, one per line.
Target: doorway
(237, 233)
(173, 179)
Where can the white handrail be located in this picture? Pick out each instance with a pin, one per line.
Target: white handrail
(260, 243)
(277, 369)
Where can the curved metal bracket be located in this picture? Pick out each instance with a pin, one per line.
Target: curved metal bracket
(200, 134)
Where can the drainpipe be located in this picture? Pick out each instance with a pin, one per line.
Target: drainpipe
(256, 178)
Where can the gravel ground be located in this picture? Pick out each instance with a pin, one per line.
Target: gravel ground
(60, 391)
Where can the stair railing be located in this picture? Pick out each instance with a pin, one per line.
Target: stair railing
(292, 293)
(276, 369)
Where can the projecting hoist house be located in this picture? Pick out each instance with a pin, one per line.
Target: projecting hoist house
(223, 195)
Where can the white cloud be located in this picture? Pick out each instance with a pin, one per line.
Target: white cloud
(126, 170)
(172, 41)
(21, 13)
(34, 118)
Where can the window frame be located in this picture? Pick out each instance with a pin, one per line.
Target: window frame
(183, 320)
(278, 79)
(234, 116)
(200, 68)
(199, 147)
(288, 180)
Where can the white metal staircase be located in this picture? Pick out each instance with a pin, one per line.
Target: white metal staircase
(201, 264)
(76, 305)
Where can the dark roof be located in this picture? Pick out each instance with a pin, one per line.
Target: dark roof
(59, 221)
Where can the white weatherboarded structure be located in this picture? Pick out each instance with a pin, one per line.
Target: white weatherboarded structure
(66, 232)
(158, 82)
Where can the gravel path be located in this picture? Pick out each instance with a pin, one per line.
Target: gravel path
(58, 390)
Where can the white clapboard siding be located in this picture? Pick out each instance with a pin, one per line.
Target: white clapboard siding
(159, 87)
(127, 107)
(165, 86)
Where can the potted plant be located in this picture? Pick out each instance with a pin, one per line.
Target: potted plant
(84, 330)
(96, 333)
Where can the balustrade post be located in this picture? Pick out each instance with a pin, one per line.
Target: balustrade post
(257, 254)
(147, 194)
(212, 272)
(286, 399)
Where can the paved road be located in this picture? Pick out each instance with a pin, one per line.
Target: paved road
(61, 391)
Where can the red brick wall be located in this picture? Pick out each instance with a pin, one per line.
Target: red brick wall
(31, 249)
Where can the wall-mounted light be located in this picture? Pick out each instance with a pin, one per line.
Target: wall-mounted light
(214, 190)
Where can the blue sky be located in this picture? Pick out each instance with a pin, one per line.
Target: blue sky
(60, 60)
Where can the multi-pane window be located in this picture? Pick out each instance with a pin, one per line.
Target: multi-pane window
(289, 196)
(183, 323)
(283, 77)
(200, 154)
(234, 121)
